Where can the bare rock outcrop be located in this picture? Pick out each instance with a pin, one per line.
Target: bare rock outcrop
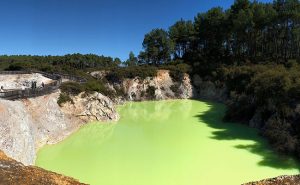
(27, 125)
(159, 87)
(282, 180)
(15, 173)
(92, 107)
(17, 134)
(19, 81)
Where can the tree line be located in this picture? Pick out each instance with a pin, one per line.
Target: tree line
(248, 30)
(253, 49)
(55, 63)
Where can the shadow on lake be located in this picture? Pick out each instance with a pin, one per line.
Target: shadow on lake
(226, 131)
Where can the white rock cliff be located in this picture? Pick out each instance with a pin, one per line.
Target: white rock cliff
(27, 125)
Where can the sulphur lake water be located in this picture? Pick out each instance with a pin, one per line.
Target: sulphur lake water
(180, 142)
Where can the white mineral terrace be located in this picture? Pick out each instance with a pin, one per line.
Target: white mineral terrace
(21, 81)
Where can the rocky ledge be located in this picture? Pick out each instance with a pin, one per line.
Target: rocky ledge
(15, 173)
(92, 107)
(282, 180)
(27, 125)
(159, 87)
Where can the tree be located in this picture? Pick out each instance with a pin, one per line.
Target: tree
(158, 47)
(132, 61)
(211, 31)
(117, 61)
(241, 22)
(143, 58)
(182, 35)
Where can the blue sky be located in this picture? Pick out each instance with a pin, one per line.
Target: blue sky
(111, 27)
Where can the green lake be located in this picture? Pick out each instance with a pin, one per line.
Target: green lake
(178, 142)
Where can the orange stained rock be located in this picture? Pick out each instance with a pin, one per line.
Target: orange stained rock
(15, 173)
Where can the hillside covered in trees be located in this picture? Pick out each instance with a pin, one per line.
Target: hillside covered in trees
(252, 47)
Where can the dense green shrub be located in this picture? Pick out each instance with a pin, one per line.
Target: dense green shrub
(274, 91)
(72, 88)
(15, 67)
(73, 61)
(177, 71)
(280, 135)
(238, 78)
(272, 84)
(176, 76)
(96, 86)
(63, 98)
(116, 75)
(294, 92)
(240, 109)
(261, 86)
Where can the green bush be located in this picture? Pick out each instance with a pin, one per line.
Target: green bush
(238, 78)
(15, 67)
(96, 86)
(116, 75)
(272, 84)
(240, 109)
(176, 76)
(177, 71)
(278, 132)
(63, 98)
(74, 88)
(71, 88)
(274, 91)
(47, 68)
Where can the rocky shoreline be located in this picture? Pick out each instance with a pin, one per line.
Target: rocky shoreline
(282, 180)
(15, 173)
(29, 124)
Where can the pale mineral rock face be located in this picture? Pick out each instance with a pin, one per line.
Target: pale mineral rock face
(92, 107)
(27, 125)
(163, 84)
(136, 88)
(19, 81)
(17, 133)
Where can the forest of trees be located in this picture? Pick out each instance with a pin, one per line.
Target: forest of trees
(254, 49)
(67, 63)
(247, 31)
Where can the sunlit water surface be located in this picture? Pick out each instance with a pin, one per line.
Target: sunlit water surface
(180, 142)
